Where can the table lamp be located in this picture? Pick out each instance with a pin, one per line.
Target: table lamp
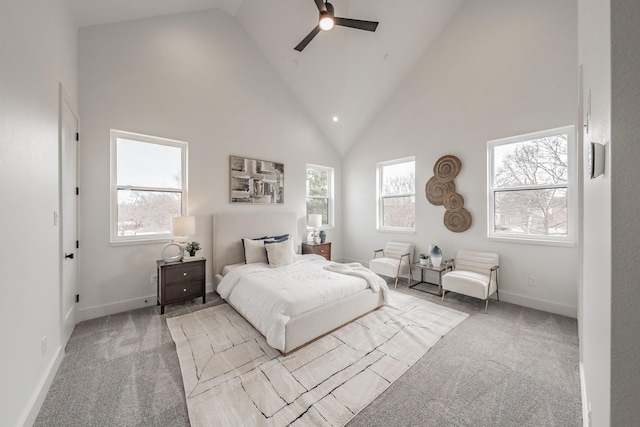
(181, 228)
(314, 221)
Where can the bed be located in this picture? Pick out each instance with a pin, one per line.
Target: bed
(295, 320)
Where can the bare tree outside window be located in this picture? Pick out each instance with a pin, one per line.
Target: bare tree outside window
(530, 182)
(319, 181)
(397, 194)
(147, 186)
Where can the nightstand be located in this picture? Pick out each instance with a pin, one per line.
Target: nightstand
(181, 281)
(323, 249)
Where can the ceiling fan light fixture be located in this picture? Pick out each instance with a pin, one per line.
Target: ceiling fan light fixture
(326, 21)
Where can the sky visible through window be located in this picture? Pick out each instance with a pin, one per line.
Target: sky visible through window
(143, 164)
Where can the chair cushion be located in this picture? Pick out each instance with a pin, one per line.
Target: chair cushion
(388, 266)
(480, 262)
(397, 249)
(469, 283)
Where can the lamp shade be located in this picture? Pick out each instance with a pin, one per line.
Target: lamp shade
(183, 225)
(314, 221)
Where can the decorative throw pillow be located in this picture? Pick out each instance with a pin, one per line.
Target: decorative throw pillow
(279, 253)
(254, 251)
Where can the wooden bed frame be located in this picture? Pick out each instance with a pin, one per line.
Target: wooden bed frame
(229, 228)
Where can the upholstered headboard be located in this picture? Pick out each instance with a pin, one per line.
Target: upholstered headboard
(229, 228)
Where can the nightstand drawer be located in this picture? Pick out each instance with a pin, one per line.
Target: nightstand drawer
(322, 249)
(184, 273)
(183, 290)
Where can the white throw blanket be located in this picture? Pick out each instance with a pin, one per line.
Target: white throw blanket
(375, 282)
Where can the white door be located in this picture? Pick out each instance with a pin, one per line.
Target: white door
(68, 217)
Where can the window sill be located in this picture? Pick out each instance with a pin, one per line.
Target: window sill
(526, 241)
(151, 241)
(397, 230)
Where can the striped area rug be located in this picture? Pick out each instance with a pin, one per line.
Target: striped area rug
(232, 377)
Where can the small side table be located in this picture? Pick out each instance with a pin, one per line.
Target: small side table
(440, 270)
(181, 281)
(323, 249)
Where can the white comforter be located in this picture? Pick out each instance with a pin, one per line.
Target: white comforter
(269, 297)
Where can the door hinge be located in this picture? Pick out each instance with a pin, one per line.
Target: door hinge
(77, 136)
(77, 191)
(77, 244)
(77, 297)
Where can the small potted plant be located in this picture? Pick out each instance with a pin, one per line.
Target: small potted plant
(192, 247)
(423, 259)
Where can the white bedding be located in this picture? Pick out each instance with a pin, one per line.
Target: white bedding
(268, 297)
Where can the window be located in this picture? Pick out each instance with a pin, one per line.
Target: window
(531, 187)
(148, 186)
(397, 195)
(320, 193)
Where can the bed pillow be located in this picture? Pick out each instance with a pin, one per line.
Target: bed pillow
(254, 251)
(279, 253)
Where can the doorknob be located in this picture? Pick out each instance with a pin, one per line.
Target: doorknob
(68, 256)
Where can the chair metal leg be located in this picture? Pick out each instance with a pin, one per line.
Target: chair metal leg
(443, 292)
(486, 306)
(396, 282)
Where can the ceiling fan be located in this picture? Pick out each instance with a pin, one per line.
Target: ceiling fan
(328, 20)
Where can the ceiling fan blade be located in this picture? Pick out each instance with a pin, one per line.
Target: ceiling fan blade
(321, 6)
(307, 39)
(356, 23)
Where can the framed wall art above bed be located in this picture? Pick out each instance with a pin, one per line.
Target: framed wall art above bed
(255, 181)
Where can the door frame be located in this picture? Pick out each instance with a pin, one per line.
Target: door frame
(65, 102)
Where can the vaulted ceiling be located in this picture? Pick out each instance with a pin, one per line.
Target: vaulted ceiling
(344, 73)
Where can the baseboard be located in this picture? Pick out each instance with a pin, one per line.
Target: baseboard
(586, 411)
(126, 305)
(210, 287)
(539, 304)
(33, 408)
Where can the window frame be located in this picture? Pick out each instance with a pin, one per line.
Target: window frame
(380, 197)
(330, 194)
(114, 239)
(571, 188)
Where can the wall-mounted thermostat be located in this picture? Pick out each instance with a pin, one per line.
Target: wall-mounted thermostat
(596, 159)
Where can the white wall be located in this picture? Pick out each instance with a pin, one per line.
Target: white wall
(595, 318)
(38, 51)
(625, 200)
(195, 77)
(500, 68)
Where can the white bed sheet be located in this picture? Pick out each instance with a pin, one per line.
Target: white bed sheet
(268, 297)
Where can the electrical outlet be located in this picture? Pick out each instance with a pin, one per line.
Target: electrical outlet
(533, 281)
(154, 279)
(44, 346)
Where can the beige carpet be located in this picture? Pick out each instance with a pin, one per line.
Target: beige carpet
(232, 377)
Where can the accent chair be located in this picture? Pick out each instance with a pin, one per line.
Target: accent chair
(475, 274)
(393, 261)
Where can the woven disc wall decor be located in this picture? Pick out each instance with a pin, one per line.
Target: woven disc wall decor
(436, 190)
(441, 190)
(453, 202)
(447, 168)
(457, 221)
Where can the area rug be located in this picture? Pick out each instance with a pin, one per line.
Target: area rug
(232, 377)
